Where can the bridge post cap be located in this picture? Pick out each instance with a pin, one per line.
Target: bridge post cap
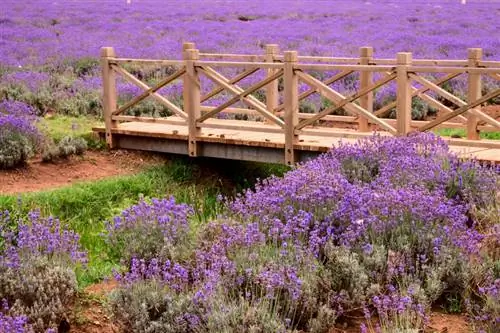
(366, 51)
(272, 48)
(108, 51)
(474, 53)
(192, 54)
(291, 56)
(404, 58)
(188, 46)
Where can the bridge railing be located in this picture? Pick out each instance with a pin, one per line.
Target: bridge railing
(280, 83)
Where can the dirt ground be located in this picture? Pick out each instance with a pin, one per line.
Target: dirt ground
(91, 314)
(93, 165)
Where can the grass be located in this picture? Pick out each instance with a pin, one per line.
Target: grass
(458, 132)
(85, 207)
(59, 126)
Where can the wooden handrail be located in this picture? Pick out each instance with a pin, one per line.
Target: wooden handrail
(283, 71)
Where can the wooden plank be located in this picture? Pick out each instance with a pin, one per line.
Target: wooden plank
(311, 140)
(110, 94)
(369, 68)
(173, 120)
(245, 57)
(250, 100)
(120, 61)
(460, 110)
(132, 79)
(439, 62)
(338, 98)
(234, 80)
(239, 64)
(148, 92)
(441, 69)
(244, 126)
(242, 95)
(403, 97)
(489, 63)
(423, 62)
(251, 112)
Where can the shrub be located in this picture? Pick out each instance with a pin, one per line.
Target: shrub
(37, 278)
(150, 230)
(19, 138)
(383, 225)
(66, 147)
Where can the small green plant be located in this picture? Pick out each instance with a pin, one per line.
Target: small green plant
(68, 146)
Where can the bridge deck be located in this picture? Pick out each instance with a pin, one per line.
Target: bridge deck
(257, 144)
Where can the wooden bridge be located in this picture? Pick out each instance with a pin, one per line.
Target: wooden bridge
(273, 129)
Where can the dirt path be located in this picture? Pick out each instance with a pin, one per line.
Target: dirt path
(94, 165)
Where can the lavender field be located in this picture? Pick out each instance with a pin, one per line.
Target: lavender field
(49, 49)
(381, 236)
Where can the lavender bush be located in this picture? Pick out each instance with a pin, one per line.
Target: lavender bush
(150, 230)
(19, 137)
(384, 226)
(37, 278)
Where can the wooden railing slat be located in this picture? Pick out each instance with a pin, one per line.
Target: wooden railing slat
(339, 98)
(241, 95)
(460, 110)
(148, 92)
(309, 92)
(132, 79)
(250, 100)
(234, 80)
(385, 109)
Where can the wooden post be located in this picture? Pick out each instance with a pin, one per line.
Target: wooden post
(188, 46)
(191, 93)
(291, 94)
(473, 92)
(272, 97)
(365, 80)
(110, 95)
(403, 100)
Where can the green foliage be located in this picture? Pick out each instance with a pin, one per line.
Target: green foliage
(15, 149)
(68, 146)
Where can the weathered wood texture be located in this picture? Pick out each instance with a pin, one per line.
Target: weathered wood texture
(276, 122)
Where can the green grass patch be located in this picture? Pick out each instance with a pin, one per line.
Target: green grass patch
(458, 132)
(85, 207)
(59, 126)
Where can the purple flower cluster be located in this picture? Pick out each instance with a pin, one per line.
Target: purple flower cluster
(38, 237)
(147, 229)
(390, 211)
(18, 324)
(17, 117)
